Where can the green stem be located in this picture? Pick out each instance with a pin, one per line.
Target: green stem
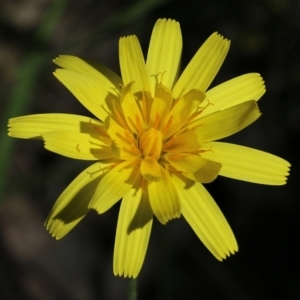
(132, 289)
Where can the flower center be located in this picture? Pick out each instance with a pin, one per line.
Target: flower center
(151, 142)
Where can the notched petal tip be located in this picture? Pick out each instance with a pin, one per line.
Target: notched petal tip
(55, 228)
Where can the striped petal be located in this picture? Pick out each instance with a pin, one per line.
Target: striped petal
(77, 145)
(206, 219)
(115, 184)
(248, 164)
(235, 91)
(132, 64)
(72, 205)
(33, 126)
(181, 111)
(131, 110)
(162, 103)
(194, 167)
(121, 144)
(227, 122)
(133, 233)
(163, 60)
(187, 141)
(164, 198)
(104, 76)
(204, 66)
(88, 91)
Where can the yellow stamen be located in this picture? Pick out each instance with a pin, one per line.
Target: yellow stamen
(170, 142)
(156, 121)
(138, 124)
(199, 111)
(100, 130)
(144, 108)
(101, 169)
(201, 151)
(119, 117)
(151, 143)
(176, 156)
(133, 150)
(162, 74)
(168, 125)
(129, 137)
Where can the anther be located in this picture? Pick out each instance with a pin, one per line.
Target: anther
(119, 117)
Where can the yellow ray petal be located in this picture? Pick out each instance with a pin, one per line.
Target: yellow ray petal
(131, 110)
(132, 64)
(123, 146)
(108, 79)
(87, 90)
(204, 66)
(194, 167)
(33, 126)
(133, 233)
(77, 145)
(164, 198)
(150, 169)
(114, 185)
(205, 218)
(235, 91)
(164, 53)
(72, 205)
(181, 111)
(227, 122)
(248, 164)
(162, 103)
(187, 141)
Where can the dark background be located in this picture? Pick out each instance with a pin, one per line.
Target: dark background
(265, 36)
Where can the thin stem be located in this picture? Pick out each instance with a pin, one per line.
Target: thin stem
(132, 289)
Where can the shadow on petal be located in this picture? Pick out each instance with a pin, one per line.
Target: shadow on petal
(143, 214)
(77, 208)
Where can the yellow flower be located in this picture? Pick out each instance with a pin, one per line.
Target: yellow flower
(152, 139)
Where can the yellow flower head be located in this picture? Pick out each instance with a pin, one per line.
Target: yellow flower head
(153, 140)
